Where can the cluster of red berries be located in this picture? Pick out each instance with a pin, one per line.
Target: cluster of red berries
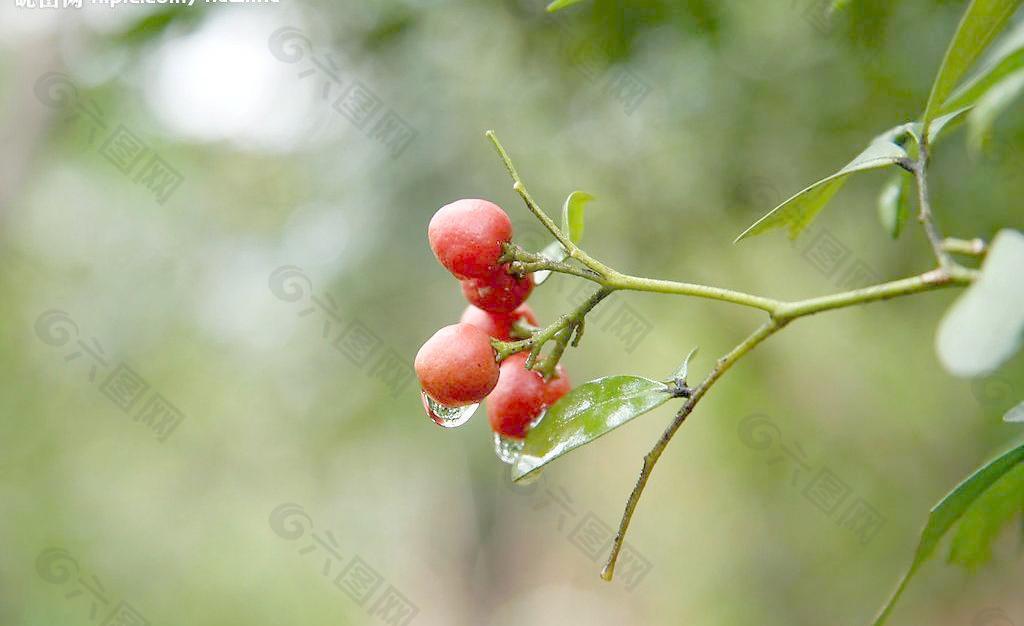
(458, 366)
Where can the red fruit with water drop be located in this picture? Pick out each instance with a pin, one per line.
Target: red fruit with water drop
(518, 398)
(457, 365)
(467, 236)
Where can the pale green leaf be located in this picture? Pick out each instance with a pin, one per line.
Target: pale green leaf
(990, 106)
(554, 251)
(894, 204)
(798, 211)
(684, 368)
(949, 511)
(561, 4)
(982, 21)
(586, 413)
(972, 542)
(985, 326)
(572, 214)
(1006, 57)
(1016, 414)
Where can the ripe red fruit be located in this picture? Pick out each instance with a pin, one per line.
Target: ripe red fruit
(500, 292)
(518, 398)
(456, 366)
(558, 386)
(466, 237)
(498, 325)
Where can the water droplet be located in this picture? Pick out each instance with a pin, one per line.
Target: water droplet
(537, 420)
(530, 478)
(447, 416)
(507, 449)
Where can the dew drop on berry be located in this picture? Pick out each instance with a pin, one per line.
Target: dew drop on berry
(507, 449)
(447, 416)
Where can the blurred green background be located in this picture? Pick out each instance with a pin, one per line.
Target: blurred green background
(214, 277)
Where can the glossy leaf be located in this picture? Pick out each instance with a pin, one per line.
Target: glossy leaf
(894, 204)
(1016, 414)
(561, 4)
(584, 414)
(1006, 58)
(572, 214)
(982, 21)
(798, 211)
(969, 494)
(990, 106)
(985, 326)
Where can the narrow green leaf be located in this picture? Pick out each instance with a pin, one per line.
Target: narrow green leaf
(1016, 414)
(894, 204)
(572, 214)
(561, 4)
(584, 414)
(798, 211)
(972, 542)
(1006, 57)
(948, 511)
(990, 106)
(982, 21)
(685, 367)
(985, 326)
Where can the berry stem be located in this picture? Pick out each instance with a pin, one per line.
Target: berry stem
(781, 313)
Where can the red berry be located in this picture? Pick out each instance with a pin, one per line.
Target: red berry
(456, 366)
(500, 292)
(466, 237)
(497, 325)
(558, 386)
(518, 398)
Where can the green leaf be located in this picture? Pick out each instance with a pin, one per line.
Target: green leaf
(985, 326)
(982, 21)
(685, 367)
(554, 251)
(798, 211)
(586, 413)
(572, 214)
(561, 4)
(990, 106)
(894, 204)
(972, 542)
(1006, 58)
(1016, 414)
(952, 508)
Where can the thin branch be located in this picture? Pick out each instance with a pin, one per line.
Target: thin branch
(925, 214)
(766, 330)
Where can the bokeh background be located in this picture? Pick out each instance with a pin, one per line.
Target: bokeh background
(215, 275)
